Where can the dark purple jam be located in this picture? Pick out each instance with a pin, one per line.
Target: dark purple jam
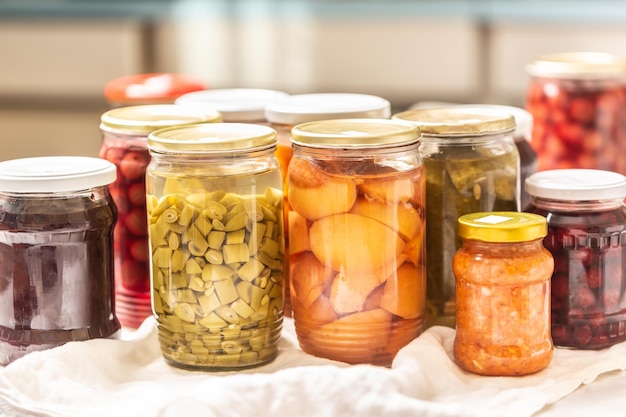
(589, 280)
(56, 270)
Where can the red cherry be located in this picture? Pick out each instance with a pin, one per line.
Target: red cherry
(137, 194)
(133, 165)
(139, 250)
(135, 276)
(136, 222)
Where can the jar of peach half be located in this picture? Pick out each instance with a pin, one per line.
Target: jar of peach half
(357, 261)
(503, 294)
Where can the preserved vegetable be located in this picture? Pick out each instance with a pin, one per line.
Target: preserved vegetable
(216, 245)
(503, 294)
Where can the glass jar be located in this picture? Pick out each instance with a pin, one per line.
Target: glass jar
(502, 294)
(124, 143)
(240, 105)
(578, 101)
(356, 192)
(587, 237)
(472, 165)
(296, 109)
(215, 214)
(56, 252)
(150, 88)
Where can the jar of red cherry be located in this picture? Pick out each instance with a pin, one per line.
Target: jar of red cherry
(125, 133)
(587, 238)
(578, 102)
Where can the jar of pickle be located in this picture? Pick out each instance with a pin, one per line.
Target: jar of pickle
(240, 105)
(357, 260)
(285, 113)
(587, 237)
(578, 101)
(56, 252)
(472, 165)
(215, 214)
(125, 137)
(150, 88)
(502, 294)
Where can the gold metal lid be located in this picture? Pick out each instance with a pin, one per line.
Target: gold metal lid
(355, 133)
(142, 120)
(458, 121)
(212, 138)
(577, 65)
(502, 226)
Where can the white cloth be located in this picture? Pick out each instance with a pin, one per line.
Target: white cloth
(130, 378)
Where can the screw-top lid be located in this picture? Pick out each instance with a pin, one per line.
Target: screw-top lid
(502, 226)
(212, 138)
(151, 88)
(577, 65)
(458, 121)
(49, 174)
(355, 133)
(235, 104)
(142, 120)
(302, 108)
(576, 185)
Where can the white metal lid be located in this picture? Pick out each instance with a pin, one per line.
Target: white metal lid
(302, 108)
(576, 185)
(235, 104)
(49, 174)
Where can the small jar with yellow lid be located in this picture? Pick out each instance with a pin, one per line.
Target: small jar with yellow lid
(215, 215)
(472, 165)
(357, 261)
(503, 276)
(125, 133)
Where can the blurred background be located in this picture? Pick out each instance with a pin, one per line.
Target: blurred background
(56, 56)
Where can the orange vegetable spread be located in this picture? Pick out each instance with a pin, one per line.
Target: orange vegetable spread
(503, 294)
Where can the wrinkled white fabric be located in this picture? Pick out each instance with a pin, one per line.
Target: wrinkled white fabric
(130, 378)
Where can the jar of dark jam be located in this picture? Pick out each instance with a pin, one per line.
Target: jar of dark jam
(587, 237)
(472, 165)
(125, 133)
(56, 253)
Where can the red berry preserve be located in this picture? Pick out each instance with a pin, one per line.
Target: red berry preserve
(587, 238)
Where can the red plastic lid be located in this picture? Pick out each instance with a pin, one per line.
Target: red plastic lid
(152, 88)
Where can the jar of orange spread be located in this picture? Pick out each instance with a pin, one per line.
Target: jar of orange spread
(502, 276)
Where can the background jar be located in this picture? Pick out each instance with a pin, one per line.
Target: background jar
(503, 294)
(56, 252)
(356, 192)
(472, 165)
(578, 102)
(239, 105)
(124, 143)
(150, 88)
(296, 109)
(215, 210)
(587, 237)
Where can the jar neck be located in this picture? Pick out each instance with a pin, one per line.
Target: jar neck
(575, 205)
(494, 248)
(202, 157)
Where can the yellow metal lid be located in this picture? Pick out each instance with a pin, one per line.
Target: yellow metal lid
(577, 65)
(355, 133)
(142, 120)
(502, 226)
(212, 138)
(458, 121)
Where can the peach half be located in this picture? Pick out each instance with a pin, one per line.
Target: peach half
(315, 194)
(298, 233)
(400, 189)
(354, 244)
(402, 218)
(308, 278)
(405, 293)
